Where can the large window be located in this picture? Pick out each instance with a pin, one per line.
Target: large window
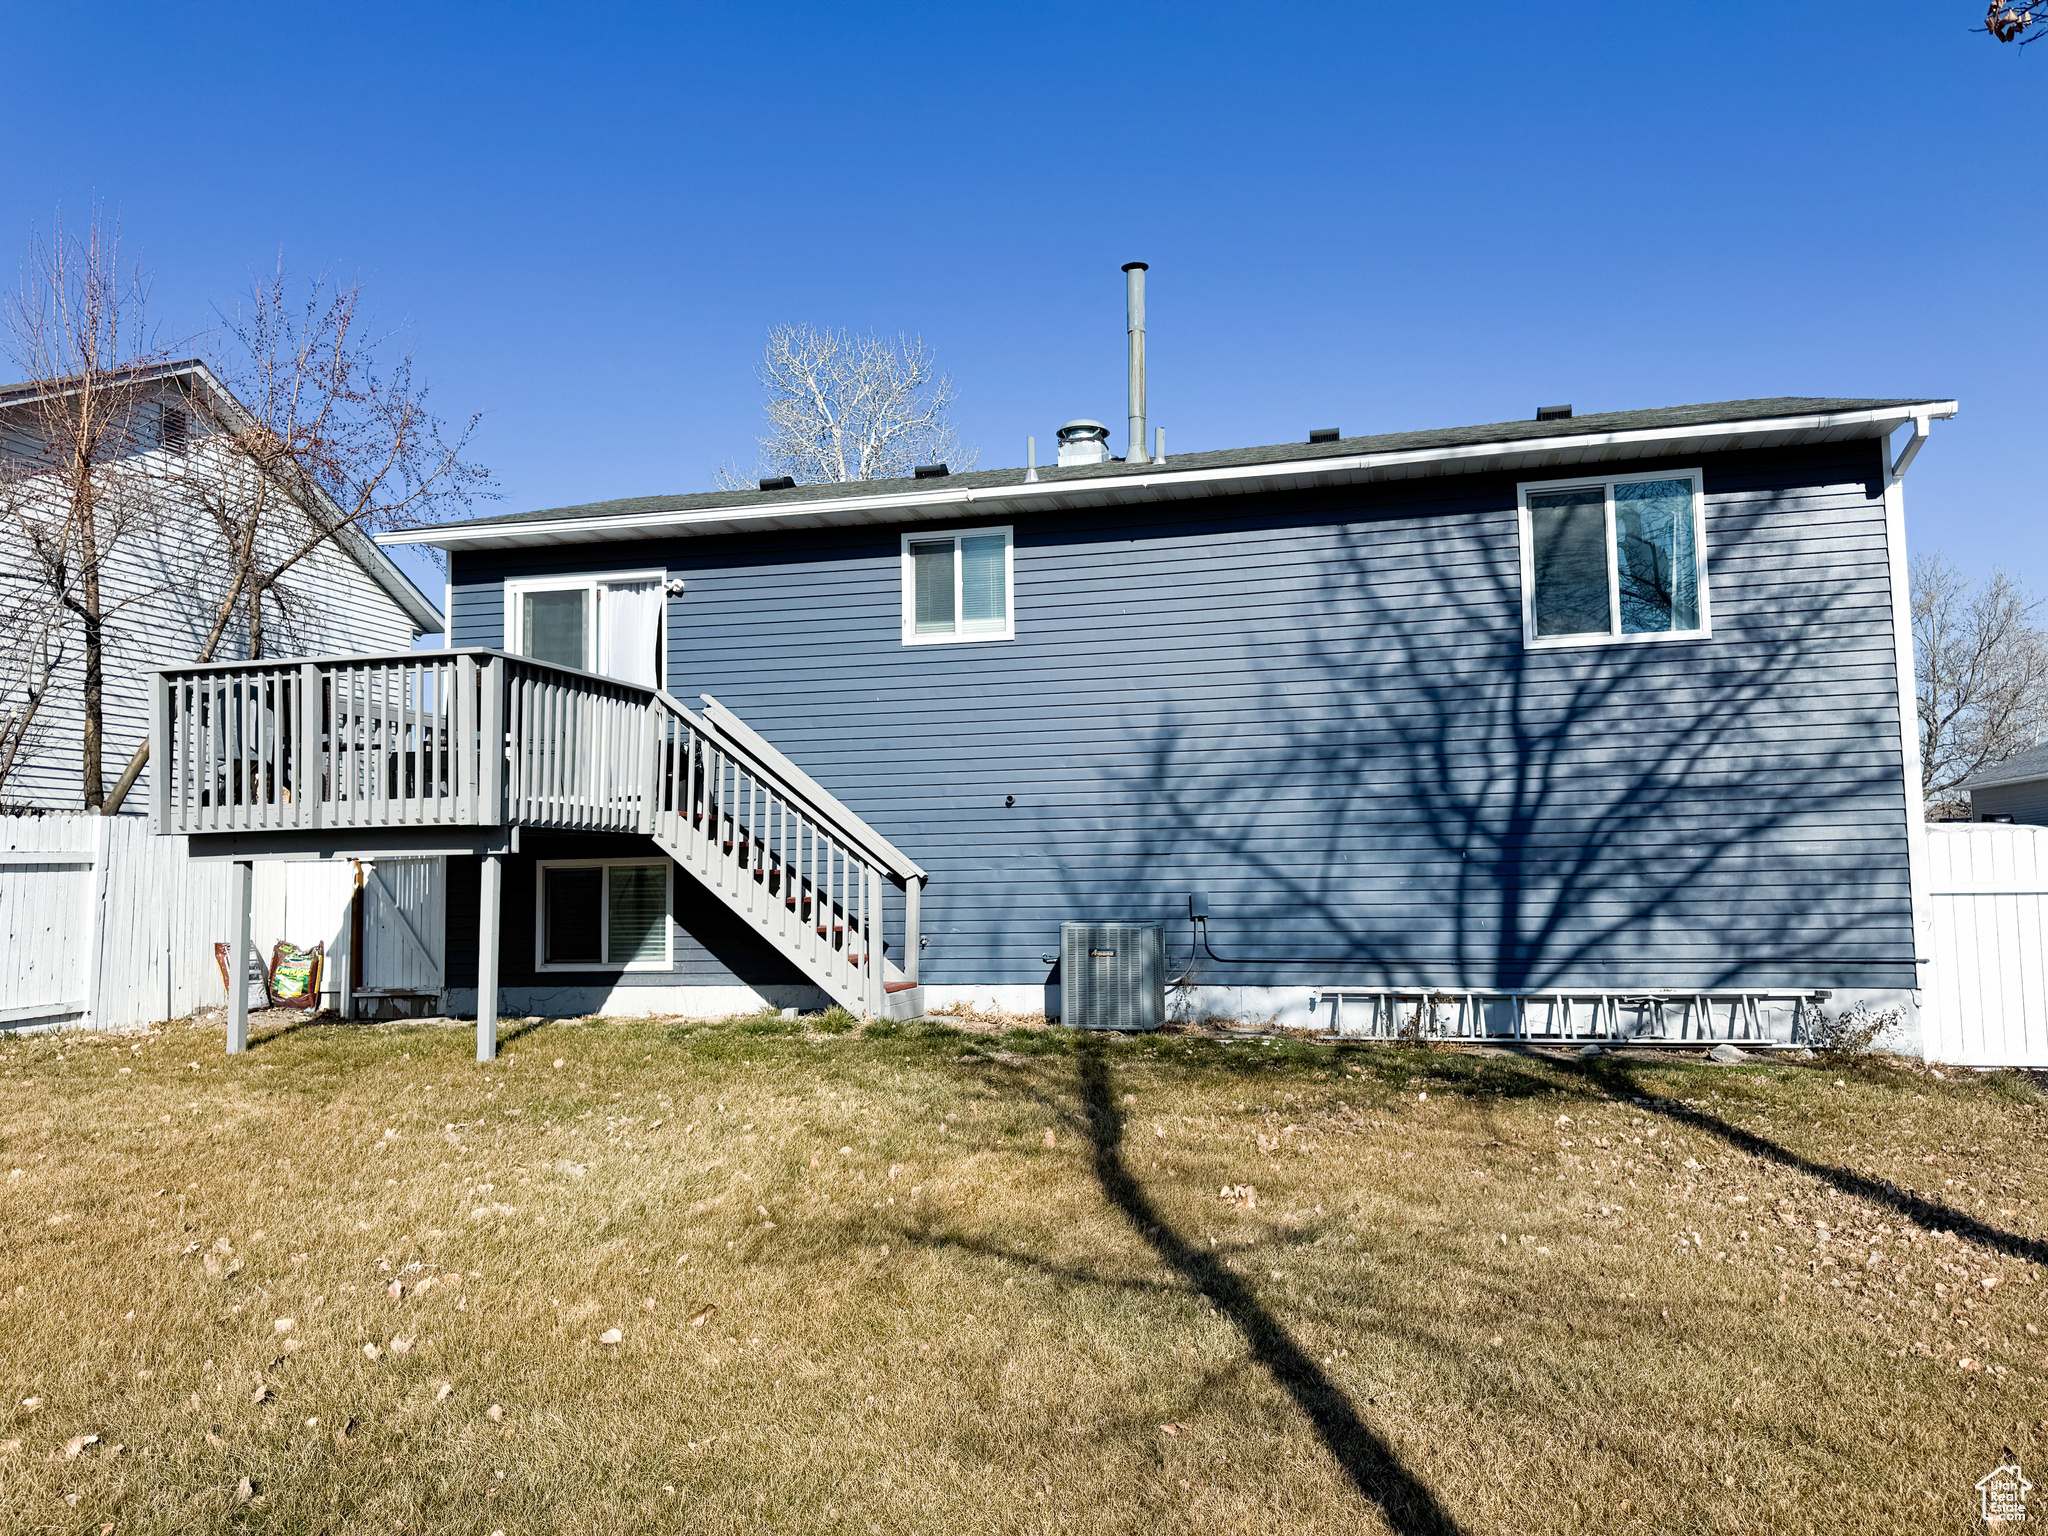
(603, 914)
(957, 586)
(611, 624)
(1614, 561)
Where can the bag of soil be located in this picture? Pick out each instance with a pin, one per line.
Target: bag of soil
(295, 975)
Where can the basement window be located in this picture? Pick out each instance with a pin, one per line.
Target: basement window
(1614, 562)
(958, 586)
(603, 915)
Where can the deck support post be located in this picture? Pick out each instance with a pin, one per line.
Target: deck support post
(238, 967)
(493, 872)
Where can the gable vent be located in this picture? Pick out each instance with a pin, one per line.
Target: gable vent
(174, 429)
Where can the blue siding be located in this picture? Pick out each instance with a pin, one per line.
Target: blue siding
(1318, 709)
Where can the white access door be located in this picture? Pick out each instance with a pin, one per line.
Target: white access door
(405, 925)
(1988, 887)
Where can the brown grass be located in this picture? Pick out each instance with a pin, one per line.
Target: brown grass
(970, 1280)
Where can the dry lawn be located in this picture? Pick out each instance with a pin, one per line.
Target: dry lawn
(1002, 1280)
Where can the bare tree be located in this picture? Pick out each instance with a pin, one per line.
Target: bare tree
(2011, 23)
(1982, 670)
(323, 433)
(326, 430)
(846, 407)
(76, 328)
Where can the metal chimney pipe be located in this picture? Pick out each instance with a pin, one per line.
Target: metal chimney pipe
(1134, 322)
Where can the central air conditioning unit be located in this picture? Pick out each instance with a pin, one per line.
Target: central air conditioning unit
(1112, 976)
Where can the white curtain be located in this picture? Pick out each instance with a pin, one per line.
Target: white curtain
(629, 618)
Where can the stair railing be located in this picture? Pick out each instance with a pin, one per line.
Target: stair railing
(780, 849)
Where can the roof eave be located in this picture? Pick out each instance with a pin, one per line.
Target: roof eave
(1533, 452)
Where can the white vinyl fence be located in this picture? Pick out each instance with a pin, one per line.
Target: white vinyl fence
(1988, 883)
(106, 926)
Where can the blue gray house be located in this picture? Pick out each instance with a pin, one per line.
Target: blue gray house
(1568, 726)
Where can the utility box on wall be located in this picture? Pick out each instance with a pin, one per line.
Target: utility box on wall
(1112, 976)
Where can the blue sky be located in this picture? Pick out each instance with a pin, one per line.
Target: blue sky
(1366, 216)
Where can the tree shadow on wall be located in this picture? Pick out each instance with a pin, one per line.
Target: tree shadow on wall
(1408, 795)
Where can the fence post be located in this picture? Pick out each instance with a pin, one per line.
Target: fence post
(96, 917)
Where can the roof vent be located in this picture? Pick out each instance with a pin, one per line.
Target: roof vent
(779, 483)
(1323, 434)
(930, 471)
(1084, 442)
(1553, 413)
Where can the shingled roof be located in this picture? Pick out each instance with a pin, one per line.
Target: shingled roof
(1545, 447)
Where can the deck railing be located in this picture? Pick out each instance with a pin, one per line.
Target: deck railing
(480, 738)
(349, 741)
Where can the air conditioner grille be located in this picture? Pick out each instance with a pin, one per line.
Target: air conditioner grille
(1112, 975)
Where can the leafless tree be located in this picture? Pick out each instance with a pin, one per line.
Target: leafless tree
(846, 407)
(326, 430)
(323, 433)
(2011, 23)
(1982, 670)
(77, 330)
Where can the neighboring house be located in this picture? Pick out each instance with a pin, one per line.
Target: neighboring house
(2014, 790)
(1584, 710)
(162, 585)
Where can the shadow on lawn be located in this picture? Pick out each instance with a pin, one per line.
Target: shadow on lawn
(1368, 1460)
(1617, 1078)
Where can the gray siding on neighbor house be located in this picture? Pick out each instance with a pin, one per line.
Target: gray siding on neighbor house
(1317, 708)
(2025, 802)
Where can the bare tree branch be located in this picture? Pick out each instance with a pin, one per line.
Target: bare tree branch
(846, 408)
(328, 432)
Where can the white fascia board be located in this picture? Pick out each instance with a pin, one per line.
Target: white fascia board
(1171, 484)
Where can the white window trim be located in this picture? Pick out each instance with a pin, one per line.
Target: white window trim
(518, 586)
(667, 962)
(979, 636)
(1606, 483)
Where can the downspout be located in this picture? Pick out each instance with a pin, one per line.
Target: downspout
(1909, 723)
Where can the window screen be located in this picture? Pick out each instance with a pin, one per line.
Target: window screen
(572, 911)
(552, 626)
(1569, 532)
(639, 913)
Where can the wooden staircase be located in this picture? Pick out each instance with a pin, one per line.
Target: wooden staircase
(785, 856)
(337, 754)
